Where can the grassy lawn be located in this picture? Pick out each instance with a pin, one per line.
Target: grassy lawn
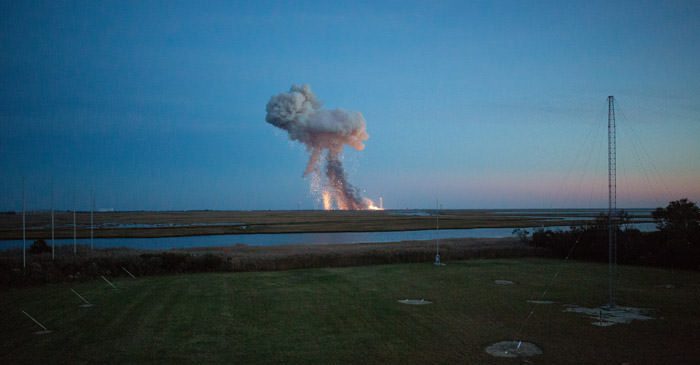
(351, 315)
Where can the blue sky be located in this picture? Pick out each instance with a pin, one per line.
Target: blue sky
(161, 105)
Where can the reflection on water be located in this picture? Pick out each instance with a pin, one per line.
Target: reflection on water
(274, 239)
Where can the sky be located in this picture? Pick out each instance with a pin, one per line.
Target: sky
(151, 105)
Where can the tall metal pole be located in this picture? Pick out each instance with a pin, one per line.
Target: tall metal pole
(24, 228)
(92, 221)
(612, 201)
(53, 244)
(75, 243)
(437, 232)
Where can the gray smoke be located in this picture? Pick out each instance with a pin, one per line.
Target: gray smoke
(322, 131)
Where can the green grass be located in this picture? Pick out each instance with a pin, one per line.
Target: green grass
(351, 315)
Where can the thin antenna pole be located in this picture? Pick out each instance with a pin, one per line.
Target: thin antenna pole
(128, 272)
(37, 322)
(53, 244)
(24, 228)
(437, 226)
(109, 282)
(437, 231)
(75, 243)
(612, 201)
(92, 224)
(86, 302)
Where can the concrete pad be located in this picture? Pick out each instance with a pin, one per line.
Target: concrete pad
(606, 316)
(541, 301)
(513, 349)
(414, 301)
(503, 282)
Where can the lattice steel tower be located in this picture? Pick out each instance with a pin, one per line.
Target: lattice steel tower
(612, 201)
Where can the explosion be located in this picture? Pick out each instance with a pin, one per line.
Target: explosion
(324, 133)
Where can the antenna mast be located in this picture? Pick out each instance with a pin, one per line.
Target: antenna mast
(92, 221)
(437, 232)
(75, 244)
(24, 228)
(612, 201)
(53, 244)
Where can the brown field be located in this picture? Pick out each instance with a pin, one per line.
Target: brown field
(90, 264)
(256, 258)
(246, 222)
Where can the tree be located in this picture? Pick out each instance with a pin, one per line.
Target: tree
(39, 246)
(522, 234)
(600, 223)
(679, 220)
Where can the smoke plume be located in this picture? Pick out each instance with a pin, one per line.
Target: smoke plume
(324, 133)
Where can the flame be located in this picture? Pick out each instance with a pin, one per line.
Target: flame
(369, 205)
(340, 203)
(331, 202)
(327, 202)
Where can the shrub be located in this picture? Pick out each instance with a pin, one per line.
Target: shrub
(672, 246)
(39, 246)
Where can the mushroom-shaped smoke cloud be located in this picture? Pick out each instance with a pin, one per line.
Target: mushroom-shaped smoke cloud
(324, 132)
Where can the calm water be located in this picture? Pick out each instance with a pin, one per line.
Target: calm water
(163, 243)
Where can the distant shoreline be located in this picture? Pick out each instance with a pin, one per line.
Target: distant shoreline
(204, 223)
